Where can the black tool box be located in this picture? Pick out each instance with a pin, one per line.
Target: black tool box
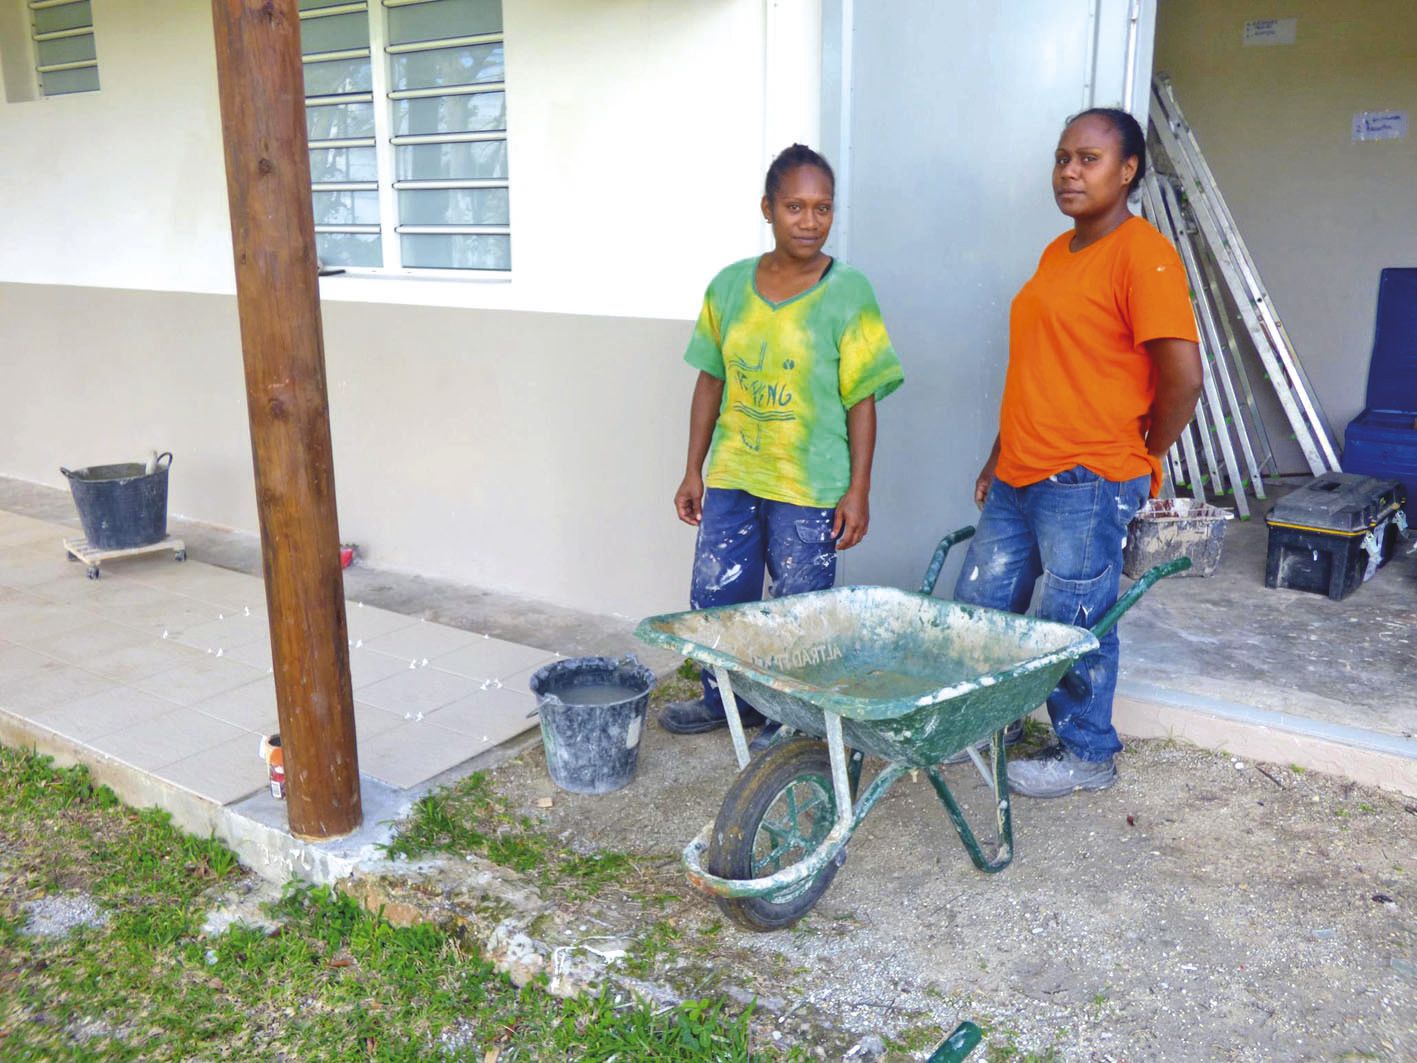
(1332, 534)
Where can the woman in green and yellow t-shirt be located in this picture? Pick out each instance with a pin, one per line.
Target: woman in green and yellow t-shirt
(792, 358)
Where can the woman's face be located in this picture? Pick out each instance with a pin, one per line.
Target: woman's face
(801, 212)
(1090, 177)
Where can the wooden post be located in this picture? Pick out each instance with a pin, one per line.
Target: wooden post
(273, 235)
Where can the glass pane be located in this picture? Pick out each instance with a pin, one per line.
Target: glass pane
(62, 82)
(337, 75)
(66, 50)
(472, 65)
(457, 252)
(315, 5)
(337, 120)
(343, 164)
(68, 17)
(444, 18)
(335, 33)
(479, 112)
(348, 249)
(454, 206)
(346, 208)
(481, 160)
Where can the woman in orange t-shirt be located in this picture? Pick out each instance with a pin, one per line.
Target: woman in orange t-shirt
(1104, 373)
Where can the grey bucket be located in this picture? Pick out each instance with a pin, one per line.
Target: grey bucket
(121, 506)
(592, 744)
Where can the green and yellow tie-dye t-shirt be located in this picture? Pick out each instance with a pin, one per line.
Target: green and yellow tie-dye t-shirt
(791, 370)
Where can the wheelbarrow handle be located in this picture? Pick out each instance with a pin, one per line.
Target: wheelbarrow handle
(937, 562)
(1137, 589)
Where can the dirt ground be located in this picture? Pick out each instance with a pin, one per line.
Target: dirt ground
(1205, 908)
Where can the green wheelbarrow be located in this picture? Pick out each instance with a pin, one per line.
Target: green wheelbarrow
(875, 671)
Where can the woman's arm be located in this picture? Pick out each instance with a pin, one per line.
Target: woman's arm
(703, 415)
(986, 475)
(853, 512)
(1178, 386)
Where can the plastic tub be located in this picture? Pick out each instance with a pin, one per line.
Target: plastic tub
(121, 506)
(1168, 528)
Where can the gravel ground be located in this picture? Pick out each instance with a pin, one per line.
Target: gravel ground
(58, 915)
(1203, 909)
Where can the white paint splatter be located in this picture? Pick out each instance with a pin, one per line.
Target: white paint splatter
(975, 574)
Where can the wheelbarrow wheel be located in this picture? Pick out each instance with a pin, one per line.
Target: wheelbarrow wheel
(778, 811)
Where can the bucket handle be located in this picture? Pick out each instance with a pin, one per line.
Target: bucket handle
(158, 462)
(68, 474)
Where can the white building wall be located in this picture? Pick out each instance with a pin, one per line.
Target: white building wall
(524, 434)
(637, 143)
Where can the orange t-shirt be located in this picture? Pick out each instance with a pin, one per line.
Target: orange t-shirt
(1080, 384)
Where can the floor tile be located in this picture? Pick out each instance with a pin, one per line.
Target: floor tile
(370, 721)
(165, 739)
(111, 709)
(488, 716)
(369, 666)
(367, 622)
(78, 645)
(201, 679)
(47, 688)
(421, 640)
(413, 753)
(256, 654)
(251, 706)
(110, 591)
(225, 773)
(41, 620)
(416, 690)
(23, 568)
(174, 614)
(16, 662)
(492, 659)
(226, 632)
(131, 664)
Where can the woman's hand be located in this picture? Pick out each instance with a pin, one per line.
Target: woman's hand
(982, 484)
(689, 499)
(853, 516)
(986, 475)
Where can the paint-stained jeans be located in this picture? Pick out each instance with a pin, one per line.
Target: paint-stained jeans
(1070, 530)
(741, 537)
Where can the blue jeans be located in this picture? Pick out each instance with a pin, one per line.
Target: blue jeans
(1070, 529)
(742, 536)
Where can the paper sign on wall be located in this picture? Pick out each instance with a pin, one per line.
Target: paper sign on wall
(1379, 125)
(1267, 31)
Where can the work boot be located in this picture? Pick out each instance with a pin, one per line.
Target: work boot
(1057, 772)
(765, 737)
(696, 717)
(1012, 733)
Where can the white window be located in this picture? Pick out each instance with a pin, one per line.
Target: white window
(406, 109)
(65, 57)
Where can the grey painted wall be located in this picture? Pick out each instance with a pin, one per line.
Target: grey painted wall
(951, 115)
(536, 453)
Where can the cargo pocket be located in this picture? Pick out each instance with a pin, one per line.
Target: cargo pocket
(815, 531)
(1075, 601)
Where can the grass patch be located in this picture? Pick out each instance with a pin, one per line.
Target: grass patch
(471, 817)
(334, 982)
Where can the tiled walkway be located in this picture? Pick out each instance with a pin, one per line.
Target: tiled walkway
(166, 667)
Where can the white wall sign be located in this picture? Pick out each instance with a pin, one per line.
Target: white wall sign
(1267, 31)
(1379, 125)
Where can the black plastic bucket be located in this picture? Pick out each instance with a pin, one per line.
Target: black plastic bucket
(121, 506)
(592, 715)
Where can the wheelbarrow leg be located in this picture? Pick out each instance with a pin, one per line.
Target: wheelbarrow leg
(1003, 807)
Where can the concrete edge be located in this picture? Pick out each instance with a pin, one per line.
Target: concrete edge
(1370, 758)
(254, 828)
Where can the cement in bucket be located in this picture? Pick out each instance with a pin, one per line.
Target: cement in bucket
(592, 715)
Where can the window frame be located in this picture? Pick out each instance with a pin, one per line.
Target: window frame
(385, 143)
(37, 38)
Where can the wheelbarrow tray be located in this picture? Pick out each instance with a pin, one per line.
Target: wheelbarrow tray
(913, 678)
